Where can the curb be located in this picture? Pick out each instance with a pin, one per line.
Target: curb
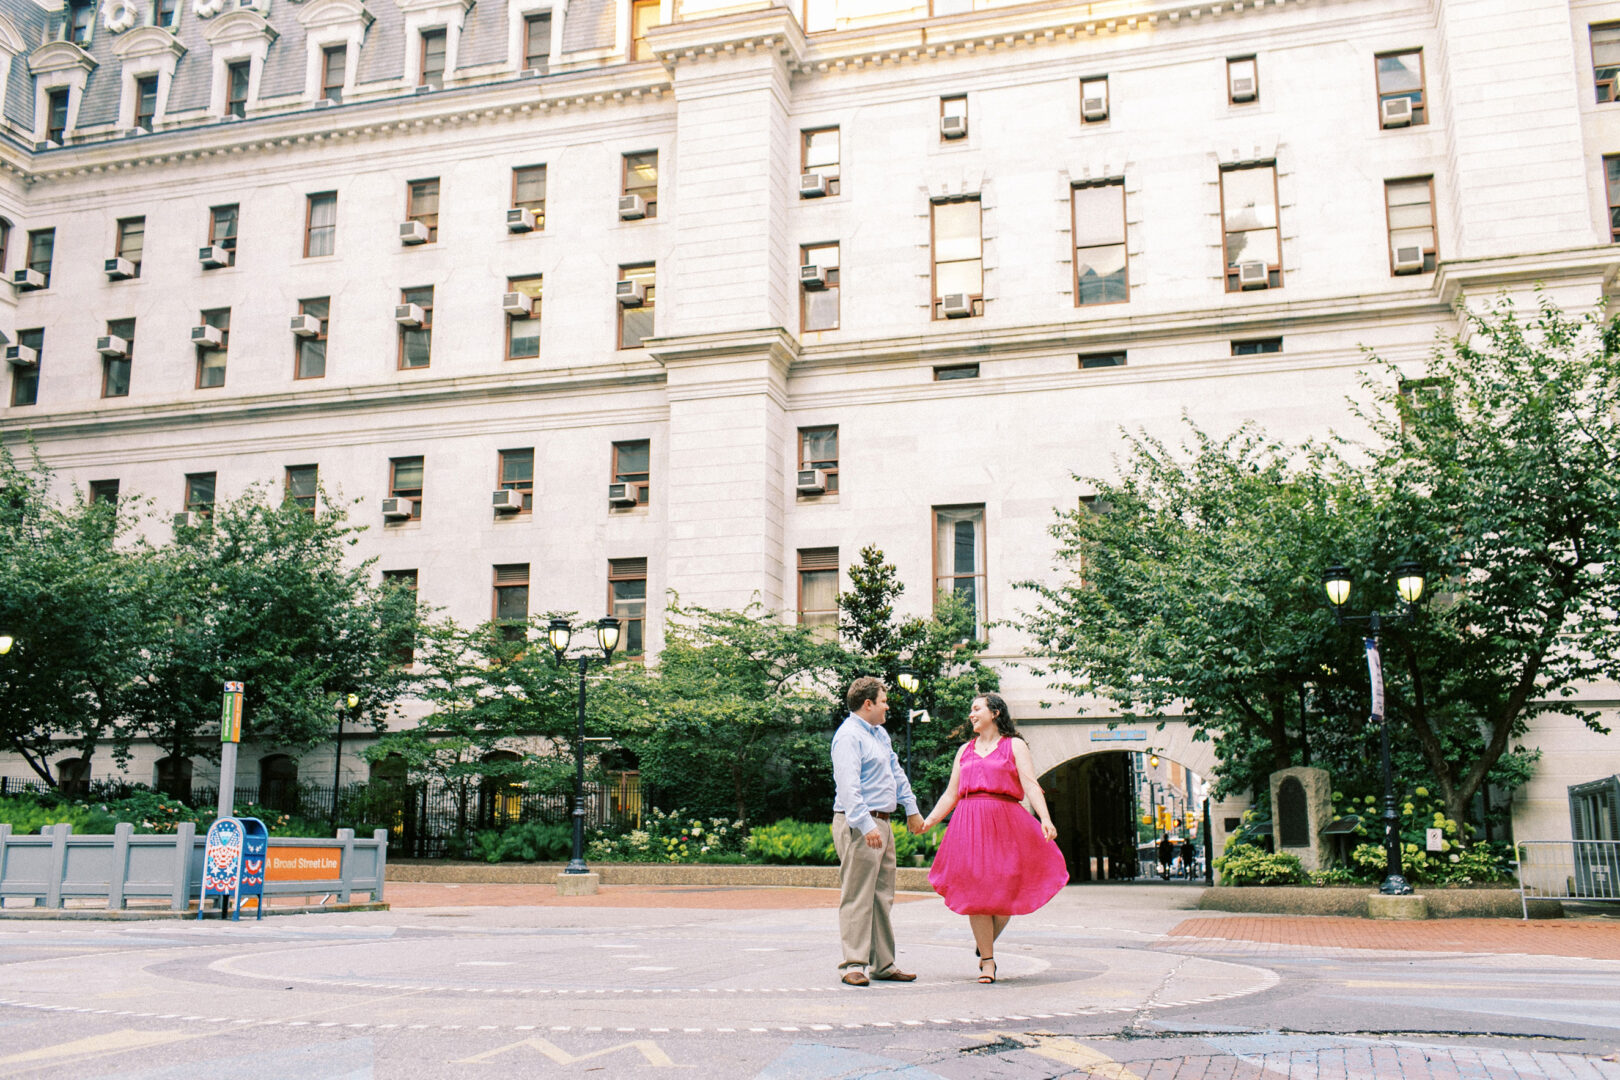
(1353, 901)
(907, 878)
(148, 914)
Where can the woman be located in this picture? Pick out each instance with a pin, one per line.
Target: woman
(994, 862)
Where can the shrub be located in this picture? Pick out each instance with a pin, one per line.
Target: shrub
(795, 843)
(1245, 864)
(531, 841)
(670, 836)
(28, 815)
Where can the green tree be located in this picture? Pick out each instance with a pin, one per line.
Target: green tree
(1198, 589)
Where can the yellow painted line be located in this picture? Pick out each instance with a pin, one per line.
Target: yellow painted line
(1068, 1052)
(112, 1042)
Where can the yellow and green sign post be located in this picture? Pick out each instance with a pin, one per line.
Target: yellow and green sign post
(230, 734)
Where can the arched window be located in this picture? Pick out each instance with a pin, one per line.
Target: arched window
(73, 776)
(172, 776)
(278, 782)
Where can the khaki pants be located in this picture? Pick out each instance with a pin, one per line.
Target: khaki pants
(866, 886)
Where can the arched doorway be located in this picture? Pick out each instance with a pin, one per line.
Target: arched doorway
(278, 783)
(73, 777)
(1090, 801)
(172, 776)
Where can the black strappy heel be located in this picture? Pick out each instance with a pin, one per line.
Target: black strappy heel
(990, 976)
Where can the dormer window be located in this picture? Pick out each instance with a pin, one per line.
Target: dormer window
(165, 13)
(81, 17)
(56, 114)
(537, 41)
(334, 65)
(146, 91)
(236, 87)
(433, 53)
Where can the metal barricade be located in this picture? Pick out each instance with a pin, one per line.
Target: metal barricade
(1568, 870)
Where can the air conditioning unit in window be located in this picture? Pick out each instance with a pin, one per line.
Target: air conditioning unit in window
(1253, 275)
(812, 185)
(1242, 88)
(117, 269)
(306, 326)
(413, 232)
(22, 356)
(1396, 112)
(812, 481)
(953, 127)
(397, 509)
(409, 314)
(632, 208)
(1094, 108)
(630, 293)
(956, 305)
(112, 345)
(27, 279)
(506, 501)
(520, 219)
(813, 277)
(624, 494)
(516, 303)
(213, 257)
(207, 337)
(190, 519)
(1409, 260)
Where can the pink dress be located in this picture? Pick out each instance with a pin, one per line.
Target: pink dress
(994, 859)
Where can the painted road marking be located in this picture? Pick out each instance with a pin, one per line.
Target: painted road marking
(650, 1052)
(1068, 1052)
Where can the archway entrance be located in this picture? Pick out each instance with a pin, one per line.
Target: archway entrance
(1091, 805)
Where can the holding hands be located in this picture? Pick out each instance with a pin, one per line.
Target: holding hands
(916, 824)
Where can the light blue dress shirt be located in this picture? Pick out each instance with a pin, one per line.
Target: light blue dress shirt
(867, 773)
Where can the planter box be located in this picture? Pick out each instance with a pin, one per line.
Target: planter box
(1443, 903)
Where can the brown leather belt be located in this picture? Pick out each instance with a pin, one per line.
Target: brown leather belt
(883, 815)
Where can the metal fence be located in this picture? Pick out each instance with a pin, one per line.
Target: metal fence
(1568, 870)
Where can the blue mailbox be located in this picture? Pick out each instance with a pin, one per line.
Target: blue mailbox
(234, 860)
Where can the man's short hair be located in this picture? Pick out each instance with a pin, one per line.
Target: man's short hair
(864, 689)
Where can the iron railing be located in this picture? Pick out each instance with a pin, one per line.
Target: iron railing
(1568, 870)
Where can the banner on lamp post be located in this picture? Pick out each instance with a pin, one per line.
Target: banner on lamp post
(1375, 673)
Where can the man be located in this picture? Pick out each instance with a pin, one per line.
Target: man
(870, 786)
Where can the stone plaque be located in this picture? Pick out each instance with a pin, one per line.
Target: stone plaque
(1301, 807)
(1293, 818)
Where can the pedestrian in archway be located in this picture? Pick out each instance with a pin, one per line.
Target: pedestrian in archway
(995, 861)
(1166, 853)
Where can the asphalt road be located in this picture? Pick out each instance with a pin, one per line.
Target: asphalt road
(1093, 985)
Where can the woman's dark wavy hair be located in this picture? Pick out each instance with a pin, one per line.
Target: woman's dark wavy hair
(998, 705)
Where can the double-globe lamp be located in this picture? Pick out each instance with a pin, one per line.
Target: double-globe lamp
(559, 633)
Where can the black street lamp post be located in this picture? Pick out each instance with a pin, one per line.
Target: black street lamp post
(607, 636)
(909, 683)
(1409, 583)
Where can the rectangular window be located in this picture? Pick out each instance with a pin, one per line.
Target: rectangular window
(405, 581)
(211, 359)
(145, 101)
(163, 13)
(511, 607)
(636, 322)
(131, 240)
(81, 18)
(104, 491)
(1400, 75)
(818, 590)
(236, 87)
(523, 331)
(1094, 100)
(1242, 80)
(310, 359)
(222, 230)
(41, 246)
(56, 111)
(953, 115)
(820, 152)
(641, 178)
(115, 369)
(1611, 182)
(516, 471)
(959, 558)
(956, 371)
(416, 342)
(529, 192)
(200, 494)
(1410, 207)
(627, 601)
(958, 255)
(334, 66)
(1249, 222)
(405, 475)
(537, 41)
(301, 486)
(818, 449)
(5, 243)
(433, 46)
(320, 224)
(643, 17)
(1257, 346)
(1100, 265)
(1606, 60)
(1092, 361)
(422, 204)
(632, 464)
(818, 300)
(25, 380)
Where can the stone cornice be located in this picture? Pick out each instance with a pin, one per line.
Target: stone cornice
(243, 24)
(771, 30)
(319, 14)
(59, 56)
(148, 41)
(1454, 277)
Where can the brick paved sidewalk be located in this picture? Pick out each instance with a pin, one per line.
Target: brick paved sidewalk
(410, 894)
(1374, 1063)
(1561, 937)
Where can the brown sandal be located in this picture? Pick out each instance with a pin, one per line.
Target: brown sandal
(987, 976)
